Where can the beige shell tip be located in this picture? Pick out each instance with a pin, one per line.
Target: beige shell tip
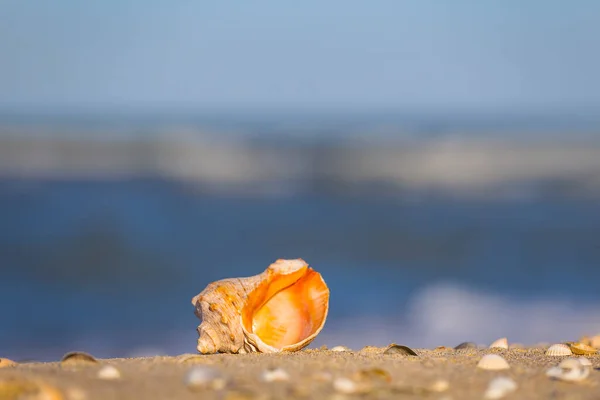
(493, 362)
(281, 309)
(559, 349)
(501, 343)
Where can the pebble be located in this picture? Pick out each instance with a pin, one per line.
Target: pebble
(109, 372)
(500, 387)
(275, 375)
(202, 377)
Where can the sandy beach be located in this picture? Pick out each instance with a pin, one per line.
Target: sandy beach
(315, 373)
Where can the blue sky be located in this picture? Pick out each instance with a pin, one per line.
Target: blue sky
(422, 54)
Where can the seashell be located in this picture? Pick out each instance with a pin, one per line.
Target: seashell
(493, 362)
(340, 348)
(585, 362)
(582, 349)
(282, 309)
(500, 387)
(77, 357)
(442, 348)
(346, 386)
(5, 362)
(559, 349)
(202, 377)
(501, 343)
(275, 375)
(399, 349)
(109, 372)
(569, 370)
(466, 345)
(19, 388)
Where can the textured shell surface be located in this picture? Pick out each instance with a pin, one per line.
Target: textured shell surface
(493, 362)
(501, 343)
(282, 309)
(559, 349)
(582, 349)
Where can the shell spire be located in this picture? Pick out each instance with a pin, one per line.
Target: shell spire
(282, 309)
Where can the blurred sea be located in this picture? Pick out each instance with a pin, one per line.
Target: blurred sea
(109, 265)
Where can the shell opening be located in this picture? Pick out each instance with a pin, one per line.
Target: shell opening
(286, 310)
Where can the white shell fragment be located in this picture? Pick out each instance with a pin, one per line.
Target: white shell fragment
(585, 362)
(501, 343)
(202, 377)
(500, 387)
(559, 349)
(345, 386)
(340, 348)
(275, 375)
(493, 362)
(570, 370)
(109, 372)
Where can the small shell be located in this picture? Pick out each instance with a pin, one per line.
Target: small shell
(500, 387)
(399, 349)
(109, 372)
(201, 377)
(466, 345)
(582, 349)
(282, 309)
(275, 375)
(569, 370)
(78, 357)
(346, 386)
(501, 343)
(559, 349)
(340, 348)
(493, 362)
(5, 362)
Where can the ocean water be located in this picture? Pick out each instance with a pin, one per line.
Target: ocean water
(110, 267)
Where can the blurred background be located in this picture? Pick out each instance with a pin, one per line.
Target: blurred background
(437, 162)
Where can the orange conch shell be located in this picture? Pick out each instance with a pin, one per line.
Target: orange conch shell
(282, 309)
